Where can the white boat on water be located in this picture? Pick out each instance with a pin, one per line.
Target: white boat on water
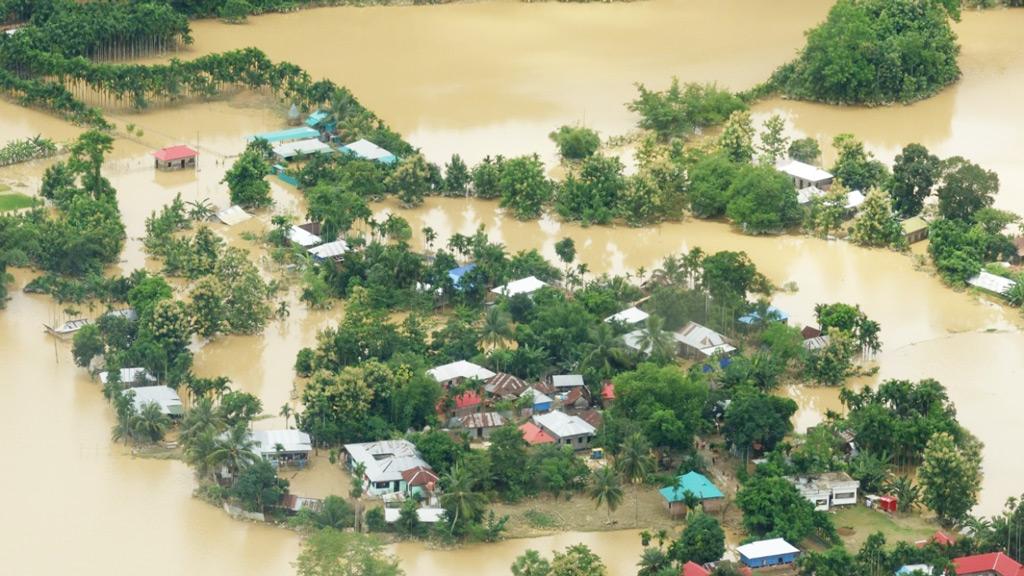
(68, 328)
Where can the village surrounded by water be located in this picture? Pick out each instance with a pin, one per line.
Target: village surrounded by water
(486, 386)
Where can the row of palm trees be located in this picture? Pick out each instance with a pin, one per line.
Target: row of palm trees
(632, 465)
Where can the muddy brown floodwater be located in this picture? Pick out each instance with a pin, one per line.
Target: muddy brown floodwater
(486, 78)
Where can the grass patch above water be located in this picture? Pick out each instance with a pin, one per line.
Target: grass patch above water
(15, 201)
(856, 523)
(538, 519)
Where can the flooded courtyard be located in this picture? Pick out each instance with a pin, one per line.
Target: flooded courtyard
(477, 79)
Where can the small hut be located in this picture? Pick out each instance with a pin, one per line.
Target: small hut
(179, 157)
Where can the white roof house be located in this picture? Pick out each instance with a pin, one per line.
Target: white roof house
(632, 340)
(527, 285)
(816, 343)
(854, 198)
(130, 376)
(564, 381)
(561, 425)
(330, 250)
(290, 150)
(992, 282)
(386, 460)
(292, 441)
(369, 151)
(703, 339)
(804, 174)
(808, 193)
(126, 313)
(765, 548)
(631, 315)
(537, 396)
(425, 515)
(461, 369)
(303, 237)
(164, 397)
(233, 215)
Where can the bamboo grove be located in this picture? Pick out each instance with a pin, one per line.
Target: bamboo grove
(43, 65)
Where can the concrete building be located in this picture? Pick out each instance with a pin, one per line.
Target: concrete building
(567, 430)
(384, 463)
(828, 489)
(764, 553)
(175, 158)
(805, 175)
(283, 447)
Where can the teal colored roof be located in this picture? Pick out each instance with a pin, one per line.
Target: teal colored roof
(286, 135)
(314, 119)
(692, 482)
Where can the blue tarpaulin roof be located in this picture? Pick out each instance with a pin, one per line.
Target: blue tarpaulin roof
(302, 133)
(723, 363)
(314, 119)
(773, 314)
(456, 274)
(693, 482)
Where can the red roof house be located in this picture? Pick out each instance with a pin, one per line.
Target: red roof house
(991, 564)
(420, 476)
(693, 569)
(940, 538)
(464, 404)
(175, 157)
(810, 332)
(534, 435)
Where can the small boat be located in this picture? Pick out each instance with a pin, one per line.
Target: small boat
(68, 328)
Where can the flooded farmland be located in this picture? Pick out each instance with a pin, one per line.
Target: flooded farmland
(486, 78)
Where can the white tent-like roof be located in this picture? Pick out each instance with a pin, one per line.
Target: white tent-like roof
(164, 397)
(308, 147)
(460, 369)
(369, 151)
(803, 171)
(302, 237)
(992, 282)
(527, 285)
(233, 215)
(805, 195)
(631, 315)
(567, 380)
(854, 198)
(765, 548)
(291, 440)
(329, 250)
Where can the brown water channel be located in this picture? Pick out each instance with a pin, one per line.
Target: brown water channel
(488, 78)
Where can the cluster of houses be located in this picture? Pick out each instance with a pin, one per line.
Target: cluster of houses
(813, 182)
(559, 409)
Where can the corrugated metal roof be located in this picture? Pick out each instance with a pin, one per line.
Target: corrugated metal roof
(308, 147)
(164, 397)
(300, 133)
(302, 237)
(703, 339)
(567, 380)
(694, 483)
(764, 548)
(172, 153)
(330, 250)
(233, 215)
(369, 151)
(459, 369)
(561, 425)
(992, 282)
(483, 420)
(386, 460)
(291, 440)
(798, 169)
(632, 315)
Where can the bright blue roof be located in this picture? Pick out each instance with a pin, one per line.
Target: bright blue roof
(301, 133)
(773, 313)
(314, 119)
(456, 274)
(692, 482)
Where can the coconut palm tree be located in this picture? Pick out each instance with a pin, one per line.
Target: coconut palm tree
(459, 498)
(655, 341)
(634, 463)
(200, 210)
(604, 352)
(286, 412)
(671, 272)
(233, 450)
(201, 419)
(150, 424)
(496, 328)
(606, 489)
(652, 562)
(197, 453)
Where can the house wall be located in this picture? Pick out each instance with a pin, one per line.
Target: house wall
(575, 442)
(844, 495)
(768, 560)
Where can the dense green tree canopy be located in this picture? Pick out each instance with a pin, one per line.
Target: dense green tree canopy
(876, 52)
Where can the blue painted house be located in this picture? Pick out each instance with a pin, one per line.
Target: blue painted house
(711, 498)
(456, 274)
(541, 401)
(772, 552)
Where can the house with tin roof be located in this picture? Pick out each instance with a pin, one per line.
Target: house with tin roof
(701, 341)
(991, 564)
(710, 497)
(567, 430)
(384, 463)
(455, 372)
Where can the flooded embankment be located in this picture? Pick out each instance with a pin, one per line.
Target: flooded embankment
(478, 79)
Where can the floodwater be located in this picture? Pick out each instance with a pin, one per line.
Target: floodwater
(486, 78)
